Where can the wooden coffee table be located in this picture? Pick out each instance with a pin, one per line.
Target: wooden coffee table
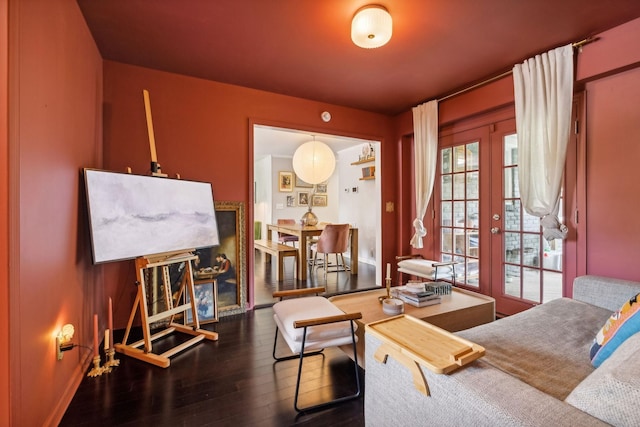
(461, 310)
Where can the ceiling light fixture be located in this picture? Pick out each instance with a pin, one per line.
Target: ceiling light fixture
(371, 27)
(313, 162)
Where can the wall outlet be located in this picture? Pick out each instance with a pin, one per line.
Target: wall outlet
(354, 189)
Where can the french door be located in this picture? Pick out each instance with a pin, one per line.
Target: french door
(498, 247)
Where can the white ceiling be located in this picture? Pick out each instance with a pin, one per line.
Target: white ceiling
(282, 142)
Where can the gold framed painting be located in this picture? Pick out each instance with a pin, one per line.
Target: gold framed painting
(285, 181)
(319, 200)
(231, 287)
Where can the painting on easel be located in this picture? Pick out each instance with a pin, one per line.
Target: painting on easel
(136, 215)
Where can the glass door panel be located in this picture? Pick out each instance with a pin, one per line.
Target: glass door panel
(526, 264)
(459, 213)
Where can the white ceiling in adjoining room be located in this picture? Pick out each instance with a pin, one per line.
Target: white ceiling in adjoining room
(268, 140)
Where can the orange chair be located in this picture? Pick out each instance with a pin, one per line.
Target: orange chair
(334, 239)
(284, 238)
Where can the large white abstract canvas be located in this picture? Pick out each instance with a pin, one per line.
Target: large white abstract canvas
(136, 215)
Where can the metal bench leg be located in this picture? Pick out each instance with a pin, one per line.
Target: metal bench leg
(339, 399)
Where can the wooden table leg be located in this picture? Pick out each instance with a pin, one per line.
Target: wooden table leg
(302, 264)
(267, 256)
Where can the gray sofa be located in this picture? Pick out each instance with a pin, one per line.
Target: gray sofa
(536, 371)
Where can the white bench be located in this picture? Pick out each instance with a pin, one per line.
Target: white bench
(276, 249)
(415, 265)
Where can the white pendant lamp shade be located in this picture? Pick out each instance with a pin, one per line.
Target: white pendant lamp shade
(314, 162)
(371, 27)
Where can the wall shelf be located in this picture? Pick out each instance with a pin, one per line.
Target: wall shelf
(367, 178)
(359, 162)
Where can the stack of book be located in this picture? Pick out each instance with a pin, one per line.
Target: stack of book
(416, 297)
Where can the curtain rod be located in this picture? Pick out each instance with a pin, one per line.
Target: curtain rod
(506, 73)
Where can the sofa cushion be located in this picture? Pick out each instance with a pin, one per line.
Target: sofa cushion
(545, 346)
(620, 326)
(612, 392)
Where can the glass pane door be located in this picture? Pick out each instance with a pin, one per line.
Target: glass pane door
(531, 267)
(459, 205)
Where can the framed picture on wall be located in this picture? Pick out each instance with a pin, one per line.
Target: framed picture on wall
(302, 184)
(285, 181)
(303, 198)
(291, 201)
(321, 188)
(319, 200)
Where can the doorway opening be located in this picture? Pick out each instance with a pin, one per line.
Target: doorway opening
(351, 195)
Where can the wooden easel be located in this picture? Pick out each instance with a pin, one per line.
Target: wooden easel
(141, 303)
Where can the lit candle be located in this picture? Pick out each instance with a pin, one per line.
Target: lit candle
(110, 324)
(388, 271)
(95, 335)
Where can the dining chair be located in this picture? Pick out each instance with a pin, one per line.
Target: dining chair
(284, 238)
(312, 241)
(309, 324)
(334, 239)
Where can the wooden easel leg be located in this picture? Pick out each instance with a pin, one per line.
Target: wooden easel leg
(145, 354)
(144, 311)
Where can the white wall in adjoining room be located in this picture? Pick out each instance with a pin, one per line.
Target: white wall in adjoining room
(279, 208)
(360, 202)
(262, 194)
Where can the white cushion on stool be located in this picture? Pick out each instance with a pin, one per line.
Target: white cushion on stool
(320, 336)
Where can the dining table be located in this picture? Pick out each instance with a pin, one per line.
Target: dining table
(307, 232)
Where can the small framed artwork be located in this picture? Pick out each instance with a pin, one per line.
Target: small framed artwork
(206, 297)
(303, 198)
(285, 181)
(321, 188)
(319, 200)
(291, 201)
(302, 184)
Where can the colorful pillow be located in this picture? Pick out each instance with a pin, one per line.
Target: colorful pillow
(620, 326)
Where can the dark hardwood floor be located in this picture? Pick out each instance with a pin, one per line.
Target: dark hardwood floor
(230, 382)
(335, 283)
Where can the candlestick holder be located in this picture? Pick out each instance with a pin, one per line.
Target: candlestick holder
(97, 370)
(384, 297)
(111, 359)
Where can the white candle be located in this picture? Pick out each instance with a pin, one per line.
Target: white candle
(106, 339)
(388, 271)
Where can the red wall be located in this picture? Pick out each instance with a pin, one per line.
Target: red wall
(4, 216)
(613, 156)
(54, 76)
(54, 108)
(202, 131)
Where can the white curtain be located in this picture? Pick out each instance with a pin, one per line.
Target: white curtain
(543, 95)
(425, 142)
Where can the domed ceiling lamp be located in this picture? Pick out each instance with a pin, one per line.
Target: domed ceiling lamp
(314, 163)
(371, 27)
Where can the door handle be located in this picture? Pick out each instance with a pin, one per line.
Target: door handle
(495, 230)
